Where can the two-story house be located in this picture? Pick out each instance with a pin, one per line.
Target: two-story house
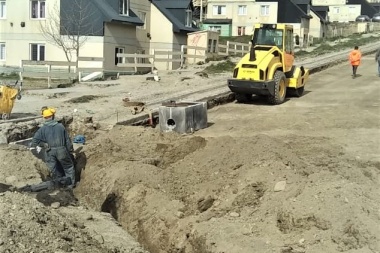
(340, 10)
(103, 28)
(235, 18)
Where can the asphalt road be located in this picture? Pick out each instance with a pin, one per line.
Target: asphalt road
(334, 106)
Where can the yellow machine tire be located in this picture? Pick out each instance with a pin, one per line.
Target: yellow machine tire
(279, 88)
(292, 92)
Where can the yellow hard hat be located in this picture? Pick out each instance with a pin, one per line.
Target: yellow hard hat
(48, 112)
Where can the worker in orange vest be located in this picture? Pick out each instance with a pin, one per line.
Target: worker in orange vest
(355, 58)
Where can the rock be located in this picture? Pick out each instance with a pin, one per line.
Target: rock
(301, 241)
(201, 74)
(3, 139)
(99, 239)
(55, 205)
(280, 186)
(90, 217)
(1, 242)
(234, 214)
(180, 214)
(79, 224)
(10, 179)
(346, 200)
(205, 203)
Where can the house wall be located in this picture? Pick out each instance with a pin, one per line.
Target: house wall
(316, 28)
(161, 30)
(17, 39)
(327, 2)
(246, 20)
(344, 13)
(142, 6)
(118, 35)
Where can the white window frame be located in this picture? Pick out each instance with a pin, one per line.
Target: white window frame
(41, 7)
(142, 16)
(216, 28)
(3, 9)
(336, 10)
(120, 50)
(242, 30)
(39, 46)
(124, 6)
(189, 18)
(242, 10)
(219, 10)
(3, 51)
(264, 10)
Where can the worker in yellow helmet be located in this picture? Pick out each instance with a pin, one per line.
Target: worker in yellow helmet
(58, 146)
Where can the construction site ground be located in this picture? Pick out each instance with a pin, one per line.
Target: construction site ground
(299, 177)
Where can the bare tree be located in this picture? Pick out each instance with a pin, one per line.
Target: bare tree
(70, 28)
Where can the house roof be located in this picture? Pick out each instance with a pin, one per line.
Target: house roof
(320, 8)
(217, 21)
(321, 13)
(367, 9)
(174, 11)
(301, 1)
(112, 15)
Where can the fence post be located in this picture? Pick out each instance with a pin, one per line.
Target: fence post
(153, 59)
(49, 77)
(182, 55)
(228, 48)
(21, 70)
(167, 63)
(135, 61)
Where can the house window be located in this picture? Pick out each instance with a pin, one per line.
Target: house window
(37, 52)
(336, 10)
(3, 9)
(209, 46)
(216, 28)
(38, 9)
(2, 51)
(264, 10)
(119, 50)
(241, 30)
(219, 10)
(189, 18)
(142, 16)
(242, 10)
(214, 46)
(124, 7)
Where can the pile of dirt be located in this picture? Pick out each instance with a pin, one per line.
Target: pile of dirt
(51, 220)
(184, 193)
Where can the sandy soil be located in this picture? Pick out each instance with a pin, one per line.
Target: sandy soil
(299, 177)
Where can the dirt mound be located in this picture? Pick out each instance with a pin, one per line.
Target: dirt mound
(175, 193)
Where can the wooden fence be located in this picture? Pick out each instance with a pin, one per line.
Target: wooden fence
(165, 58)
(57, 69)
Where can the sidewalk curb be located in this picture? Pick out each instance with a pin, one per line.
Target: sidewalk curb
(227, 97)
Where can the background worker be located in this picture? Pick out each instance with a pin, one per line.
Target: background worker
(355, 58)
(377, 58)
(54, 137)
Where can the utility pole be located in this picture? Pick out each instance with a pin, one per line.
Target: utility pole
(201, 12)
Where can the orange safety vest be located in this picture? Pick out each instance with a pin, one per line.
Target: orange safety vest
(355, 57)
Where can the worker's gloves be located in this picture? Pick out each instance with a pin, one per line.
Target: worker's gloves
(38, 149)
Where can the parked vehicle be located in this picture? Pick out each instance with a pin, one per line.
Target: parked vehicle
(376, 17)
(363, 18)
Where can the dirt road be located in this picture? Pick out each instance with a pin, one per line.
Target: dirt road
(299, 177)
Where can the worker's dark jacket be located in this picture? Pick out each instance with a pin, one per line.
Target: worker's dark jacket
(377, 56)
(54, 134)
